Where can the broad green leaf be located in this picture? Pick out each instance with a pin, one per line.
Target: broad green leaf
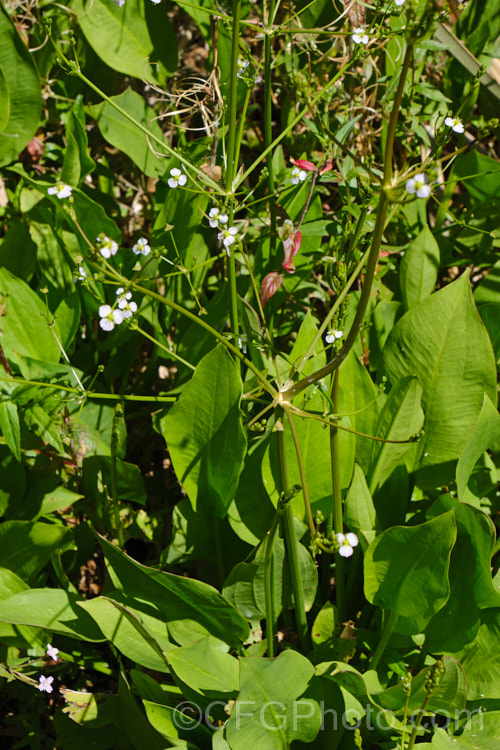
(9, 427)
(136, 726)
(182, 730)
(488, 289)
(490, 315)
(26, 331)
(90, 709)
(358, 402)
(21, 636)
(308, 578)
(206, 669)
(400, 419)
(45, 424)
(481, 658)
(18, 252)
(12, 480)
(18, 77)
(140, 636)
(136, 39)
(175, 597)
(52, 609)
(360, 515)
(239, 590)
(269, 712)
(419, 268)
(406, 571)
(484, 434)
(120, 132)
(26, 547)
(482, 173)
(481, 732)
(450, 695)
(453, 381)
(77, 162)
(204, 434)
(68, 319)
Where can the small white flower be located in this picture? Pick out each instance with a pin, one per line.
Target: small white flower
(286, 229)
(360, 36)
(177, 179)
(156, 2)
(52, 652)
(127, 308)
(60, 190)
(45, 684)
(347, 543)
(106, 246)
(298, 175)
(110, 317)
(141, 247)
(242, 66)
(242, 344)
(216, 218)
(120, 3)
(80, 274)
(399, 2)
(228, 236)
(332, 335)
(418, 185)
(455, 123)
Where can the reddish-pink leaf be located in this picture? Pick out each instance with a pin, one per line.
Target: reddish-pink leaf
(308, 166)
(270, 285)
(327, 166)
(291, 247)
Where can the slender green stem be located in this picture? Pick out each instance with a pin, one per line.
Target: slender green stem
(338, 520)
(115, 439)
(387, 628)
(302, 472)
(157, 343)
(291, 543)
(232, 166)
(378, 233)
(88, 394)
(418, 721)
(268, 128)
(268, 584)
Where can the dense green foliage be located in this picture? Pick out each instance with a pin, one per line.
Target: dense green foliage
(249, 338)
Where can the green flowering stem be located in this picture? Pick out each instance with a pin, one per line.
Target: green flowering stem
(268, 128)
(338, 516)
(378, 233)
(387, 628)
(291, 544)
(115, 439)
(418, 721)
(268, 583)
(232, 166)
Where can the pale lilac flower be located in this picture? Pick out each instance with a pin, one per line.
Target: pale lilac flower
(228, 236)
(242, 66)
(216, 218)
(347, 543)
(360, 36)
(106, 246)
(418, 185)
(141, 247)
(298, 175)
(52, 652)
(60, 190)
(332, 335)
(178, 178)
(109, 317)
(455, 123)
(128, 308)
(45, 684)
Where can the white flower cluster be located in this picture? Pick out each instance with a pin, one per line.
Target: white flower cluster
(419, 186)
(242, 65)
(177, 178)
(298, 175)
(113, 316)
(106, 246)
(227, 235)
(60, 190)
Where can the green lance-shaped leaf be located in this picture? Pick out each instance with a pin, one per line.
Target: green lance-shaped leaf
(9, 427)
(77, 161)
(26, 547)
(19, 92)
(136, 39)
(484, 434)
(406, 571)
(443, 342)
(400, 419)
(120, 132)
(176, 598)
(419, 268)
(480, 733)
(269, 712)
(204, 434)
(207, 668)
